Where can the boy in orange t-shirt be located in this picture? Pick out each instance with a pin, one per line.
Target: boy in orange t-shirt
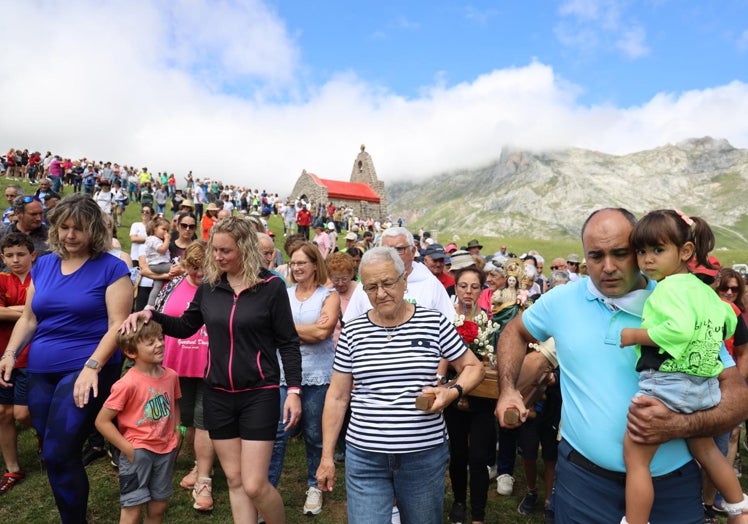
(18, 254)
(144, 402)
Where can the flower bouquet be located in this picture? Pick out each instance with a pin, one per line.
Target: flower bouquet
(478, 335)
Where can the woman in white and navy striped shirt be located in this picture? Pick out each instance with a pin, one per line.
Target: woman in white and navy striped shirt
(384, 360)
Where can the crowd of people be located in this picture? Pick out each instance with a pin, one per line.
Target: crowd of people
(371, 343)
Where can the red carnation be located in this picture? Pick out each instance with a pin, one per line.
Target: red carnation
(468, 331)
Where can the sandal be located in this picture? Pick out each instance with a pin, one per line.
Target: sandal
(8, 480)
(202, 493)
(188, 482)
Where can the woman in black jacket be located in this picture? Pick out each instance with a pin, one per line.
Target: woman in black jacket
(247, 315)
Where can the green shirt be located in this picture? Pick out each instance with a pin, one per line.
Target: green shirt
(688, 321)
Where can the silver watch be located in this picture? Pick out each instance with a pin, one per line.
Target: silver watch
(91, 363)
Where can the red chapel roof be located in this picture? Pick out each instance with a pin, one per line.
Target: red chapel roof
(347, 190)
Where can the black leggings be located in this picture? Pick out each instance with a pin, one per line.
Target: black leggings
(472, 441)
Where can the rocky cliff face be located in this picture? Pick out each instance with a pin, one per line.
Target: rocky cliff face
(548, 194)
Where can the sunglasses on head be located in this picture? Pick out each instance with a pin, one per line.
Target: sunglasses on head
(30, 198)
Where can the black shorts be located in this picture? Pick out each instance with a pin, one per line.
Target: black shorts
(249, 415)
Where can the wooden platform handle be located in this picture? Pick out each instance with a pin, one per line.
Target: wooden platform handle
(511, 416)
(425, 401)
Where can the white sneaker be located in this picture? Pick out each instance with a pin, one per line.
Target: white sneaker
(504, 484)
(313, 503)
(492, 472)
(395, 515)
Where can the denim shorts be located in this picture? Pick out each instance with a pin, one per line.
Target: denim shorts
(18, 393)
(147, 478)
(680, 392)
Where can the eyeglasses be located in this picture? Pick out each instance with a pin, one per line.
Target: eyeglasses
(145, 212)
(464, 286)
(556, 267)
(299, 264)
(572, 263)
(188, 226)
(725, 289)
(401, 249)
(387, 285)
(340, 280)
(11, 196)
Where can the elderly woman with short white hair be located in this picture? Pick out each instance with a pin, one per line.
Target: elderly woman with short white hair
(385, 359)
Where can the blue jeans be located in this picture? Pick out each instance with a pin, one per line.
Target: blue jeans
(583, 496)
(56, 183)
(279, 446)
(312, 403)
(374, 480)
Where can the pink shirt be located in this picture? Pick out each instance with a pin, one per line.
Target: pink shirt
(146, 408)
(187, 356)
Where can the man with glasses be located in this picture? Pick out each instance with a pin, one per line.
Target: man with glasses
(29, 213)
(423, 287)
(12, 192)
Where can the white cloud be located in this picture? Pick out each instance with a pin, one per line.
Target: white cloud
(591, 26)
(633, 42)
(122, 88)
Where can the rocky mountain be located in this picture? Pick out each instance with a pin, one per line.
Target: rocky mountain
(548, 194)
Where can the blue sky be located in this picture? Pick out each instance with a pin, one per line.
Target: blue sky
(252, 92)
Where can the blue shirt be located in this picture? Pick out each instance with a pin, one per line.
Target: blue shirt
(71, 312)
(598, 377)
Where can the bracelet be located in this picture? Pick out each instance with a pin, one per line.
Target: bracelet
(294, 391)
(459, 390)
(181, 429)
(10, 354)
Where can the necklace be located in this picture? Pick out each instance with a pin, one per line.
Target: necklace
(391, 333)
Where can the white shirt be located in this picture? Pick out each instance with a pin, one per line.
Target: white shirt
(423, 289)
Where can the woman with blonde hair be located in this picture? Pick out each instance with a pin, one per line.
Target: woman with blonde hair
(247, 316)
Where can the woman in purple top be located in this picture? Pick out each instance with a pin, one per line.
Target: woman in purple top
(79, 296)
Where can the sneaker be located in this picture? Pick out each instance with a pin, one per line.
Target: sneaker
(719, 504)
(492, 472)
(92, 453)
(188, 481)
(457, 514)
(395, 515)
(313, 502)
(528, 503)
(114, 454)
(709, 516)
(504, 484)
(202, 494)
(8, 480)
(549, 516)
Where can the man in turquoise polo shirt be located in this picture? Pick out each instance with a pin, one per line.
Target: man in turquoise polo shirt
(598, 381)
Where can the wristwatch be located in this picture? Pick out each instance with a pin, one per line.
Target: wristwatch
(91, 363)
(441, 379)
(459, 390)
